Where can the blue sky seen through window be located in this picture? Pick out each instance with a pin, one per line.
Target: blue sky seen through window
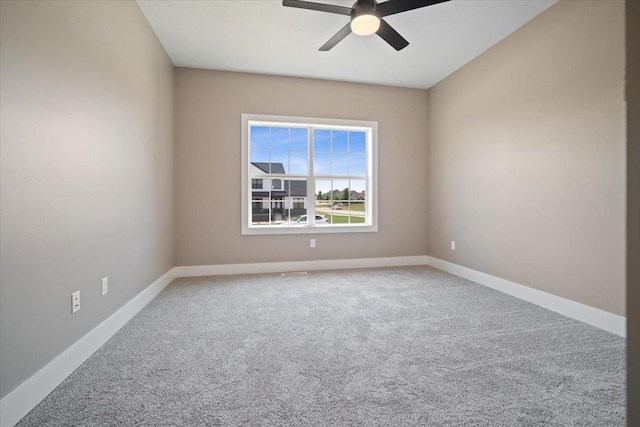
(280, 145)
(336, 152)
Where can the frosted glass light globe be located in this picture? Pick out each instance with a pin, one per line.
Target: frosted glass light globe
(365, 24)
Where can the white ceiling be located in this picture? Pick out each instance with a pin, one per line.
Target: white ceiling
(264, 37)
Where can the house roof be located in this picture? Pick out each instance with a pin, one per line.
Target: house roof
(353, 194)
(264, 167)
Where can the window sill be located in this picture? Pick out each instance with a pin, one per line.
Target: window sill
(306, 229)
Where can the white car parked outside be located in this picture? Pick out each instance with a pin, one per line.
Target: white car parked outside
(320, 219)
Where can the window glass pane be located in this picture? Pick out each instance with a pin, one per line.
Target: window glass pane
(295, 201)
(260, 210)
(261, 157)
(323, 212)
(357, 214)
(296, 187)
(339, 164)
(323, 190)
(356, 189)
(277, 208)
(298, 162)
(323, 196)
(339, 141)
(335, 210)
(357, 142)
(259, 137)
(322, 140)
(285, 186)
(286, 199)
(297, 216)
(340, 189)
(279, 138)
(338, 217)
(299, 139)
(279, 161)
(358, 164)
(322, 163)
(338, 205)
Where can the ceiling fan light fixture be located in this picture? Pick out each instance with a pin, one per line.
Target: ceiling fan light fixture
(366, 18)
(365, 24)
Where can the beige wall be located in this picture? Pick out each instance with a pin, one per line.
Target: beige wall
(527, 157)
(87, 141)
(209, 105)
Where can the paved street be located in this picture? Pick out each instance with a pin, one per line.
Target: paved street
(343, 211)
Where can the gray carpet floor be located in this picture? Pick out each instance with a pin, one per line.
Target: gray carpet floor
(392, 347)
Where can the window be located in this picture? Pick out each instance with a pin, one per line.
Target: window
(256, 184)
(304, 175)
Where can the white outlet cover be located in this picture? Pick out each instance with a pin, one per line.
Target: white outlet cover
(453, 245)
(312, 243)
(75, 302)
(105, 286)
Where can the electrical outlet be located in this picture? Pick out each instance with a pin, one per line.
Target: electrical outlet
(105, 286)
(453, 245)
(75, 302)
(312, 243)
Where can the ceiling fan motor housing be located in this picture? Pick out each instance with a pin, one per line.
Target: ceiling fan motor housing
(364, 7)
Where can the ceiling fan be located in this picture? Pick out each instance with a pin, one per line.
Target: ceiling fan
(366, 18)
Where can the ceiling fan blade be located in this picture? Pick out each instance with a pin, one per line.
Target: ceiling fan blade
(317, 6)
(392, 7)
(344, 32)
(391, 36)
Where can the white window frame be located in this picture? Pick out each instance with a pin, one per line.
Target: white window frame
(371, 191)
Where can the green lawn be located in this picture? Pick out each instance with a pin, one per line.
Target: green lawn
(359, 207)
(344, 219)
(355, 207)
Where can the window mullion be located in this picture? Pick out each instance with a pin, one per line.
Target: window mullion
(363, 177)
(311, 184)
(269, 194)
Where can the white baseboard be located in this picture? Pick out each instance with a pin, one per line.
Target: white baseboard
(18, 403)
(593, 316)
(277, 267)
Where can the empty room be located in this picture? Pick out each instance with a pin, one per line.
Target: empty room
(274, 213)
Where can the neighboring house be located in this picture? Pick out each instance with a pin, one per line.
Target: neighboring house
(353, 195)
(287, 198)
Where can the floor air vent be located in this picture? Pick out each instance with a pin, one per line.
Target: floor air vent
(294, 273)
